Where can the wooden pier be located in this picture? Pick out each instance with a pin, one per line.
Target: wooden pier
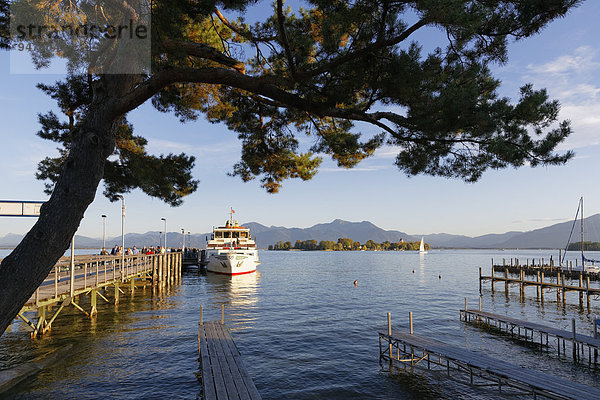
(561, 285)
(224, 376)
(403, 349)
(85, 278)
(527, 331)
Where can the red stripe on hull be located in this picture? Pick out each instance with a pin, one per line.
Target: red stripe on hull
(232, 273)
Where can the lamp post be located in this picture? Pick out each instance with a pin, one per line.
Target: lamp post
(164, 219)
(122, 236)
(103, 233)
(183, 241)
(189, 240)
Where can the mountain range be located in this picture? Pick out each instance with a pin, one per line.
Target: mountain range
(550, 237)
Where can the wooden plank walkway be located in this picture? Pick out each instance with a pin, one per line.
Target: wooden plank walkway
(526, 330)
(88, 275)
(477, 367)
(223, 373)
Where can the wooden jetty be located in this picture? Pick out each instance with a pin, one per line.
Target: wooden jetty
(224, 376)
(73, 280)
(528, 331)
(550, 269)
(409, 349)
(560, 285)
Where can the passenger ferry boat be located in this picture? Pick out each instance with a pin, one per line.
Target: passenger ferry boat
(230, 250)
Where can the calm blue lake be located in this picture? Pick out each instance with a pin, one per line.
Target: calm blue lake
(304, 330)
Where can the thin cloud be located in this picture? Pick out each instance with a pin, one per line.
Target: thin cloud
(581, 60)
(572, 79)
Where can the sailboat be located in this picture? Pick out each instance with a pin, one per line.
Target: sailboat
(422, 247)
(588, 268)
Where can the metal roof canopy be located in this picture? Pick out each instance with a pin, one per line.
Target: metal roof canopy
(15, 208)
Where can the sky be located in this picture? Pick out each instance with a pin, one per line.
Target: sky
(564, 58)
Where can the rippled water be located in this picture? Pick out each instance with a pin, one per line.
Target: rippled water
(304, 330)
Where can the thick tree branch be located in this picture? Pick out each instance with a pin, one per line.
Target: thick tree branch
(256, 85)
(363, 52)
(203, 51)
(284, 39)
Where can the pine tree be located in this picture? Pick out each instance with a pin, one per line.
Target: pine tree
(317, 71)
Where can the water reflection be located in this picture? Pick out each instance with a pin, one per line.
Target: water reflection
(421, 268)
(239, 294)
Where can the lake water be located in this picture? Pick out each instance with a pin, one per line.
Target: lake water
(304, 330)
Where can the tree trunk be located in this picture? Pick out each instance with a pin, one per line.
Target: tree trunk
(25, 268)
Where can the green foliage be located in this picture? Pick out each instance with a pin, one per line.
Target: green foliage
(167, 177)
(346, 244)
(317, 71)
(587, 246)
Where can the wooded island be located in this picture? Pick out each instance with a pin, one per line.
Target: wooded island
(346, 244)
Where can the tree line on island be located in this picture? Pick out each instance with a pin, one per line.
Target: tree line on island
(346, 244)
(589, 246)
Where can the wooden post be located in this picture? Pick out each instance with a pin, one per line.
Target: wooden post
(560, 257)
(574, 338)
(506, 281)
(493, 275)
(116, 292)
(465, 304)
(72, 267)
(94, 309)
(168, 268)
(222, 314)
(595, 328)
(410, 322)
(479, 303)
(521, 287)
(587, 292)
(480, 281)
(55, 281)
(200, 315)
(563, 288)
(581, 291)
(542, 286)
(389, 318)
(537, 287)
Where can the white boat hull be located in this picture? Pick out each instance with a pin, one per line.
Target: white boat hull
(232, 262)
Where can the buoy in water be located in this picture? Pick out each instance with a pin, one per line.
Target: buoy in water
(439, 276)
(356, 282)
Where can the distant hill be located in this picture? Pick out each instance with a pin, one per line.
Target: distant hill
(553, 236)
(358, 231)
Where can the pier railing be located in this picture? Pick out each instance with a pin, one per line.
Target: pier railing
(84, 278)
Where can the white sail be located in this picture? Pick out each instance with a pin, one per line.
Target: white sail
(422, 247)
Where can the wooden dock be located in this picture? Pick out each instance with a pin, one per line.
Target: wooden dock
(81, 280)
(224, 376)
(528, 331)
(560, 285)
(402, 349)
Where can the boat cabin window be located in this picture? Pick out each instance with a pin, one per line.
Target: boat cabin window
(219, 234)
(235, 235)
(243, 234)
(226, 234)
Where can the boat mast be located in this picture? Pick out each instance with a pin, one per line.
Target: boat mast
(582, 258)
